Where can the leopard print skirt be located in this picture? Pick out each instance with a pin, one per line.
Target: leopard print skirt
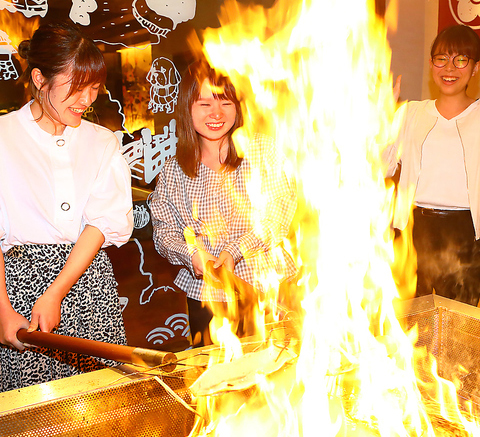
(90, 310)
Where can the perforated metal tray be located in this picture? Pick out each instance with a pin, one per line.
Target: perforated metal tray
(450, 331)
(109, 404)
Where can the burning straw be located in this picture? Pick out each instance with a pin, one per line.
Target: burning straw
(316, 75)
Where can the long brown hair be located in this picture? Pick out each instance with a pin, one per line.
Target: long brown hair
(188, 146)
(61, 48)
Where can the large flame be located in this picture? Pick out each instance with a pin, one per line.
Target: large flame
(316, 74)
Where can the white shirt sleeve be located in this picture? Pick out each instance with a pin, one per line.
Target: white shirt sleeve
(109, 206)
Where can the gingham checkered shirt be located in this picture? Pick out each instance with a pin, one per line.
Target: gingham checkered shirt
(213, 211)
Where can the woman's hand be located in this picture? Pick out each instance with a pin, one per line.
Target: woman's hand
(396, 88)
(10, 323)
(225, 259)
(199, 261)
(46, 313)
(47, 309)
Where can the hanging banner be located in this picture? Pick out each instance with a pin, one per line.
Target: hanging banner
(465, 12)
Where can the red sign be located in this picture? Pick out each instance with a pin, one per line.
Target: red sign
(459, 12)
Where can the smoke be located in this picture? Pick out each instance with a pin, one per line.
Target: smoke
(450, 268)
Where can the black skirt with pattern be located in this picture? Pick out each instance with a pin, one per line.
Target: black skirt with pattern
(90, 310)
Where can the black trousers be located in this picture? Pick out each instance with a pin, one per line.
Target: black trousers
(448, 258)
(199, 316)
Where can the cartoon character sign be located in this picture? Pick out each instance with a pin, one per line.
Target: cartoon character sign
(81, 10)
(468, 10)
(29, 8)
(165, 79)
(177, 322)
(141, 216)
(161, 16)
(118, 21)
(459, 12)
(155, 24)
(7, 68)
(147, 155)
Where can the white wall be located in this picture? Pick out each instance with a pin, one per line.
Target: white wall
(417, 23)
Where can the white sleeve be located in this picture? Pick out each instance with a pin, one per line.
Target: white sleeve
(391, 155)
(109, 207)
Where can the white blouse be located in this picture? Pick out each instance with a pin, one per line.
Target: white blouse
(52, 186)
(442, 182)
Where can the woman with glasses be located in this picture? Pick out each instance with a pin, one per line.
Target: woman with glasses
(438, 150)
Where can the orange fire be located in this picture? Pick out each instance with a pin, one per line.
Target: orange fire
(316, 75)
(18, 27)
(136, 62)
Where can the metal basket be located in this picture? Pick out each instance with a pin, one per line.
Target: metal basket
(450, 331)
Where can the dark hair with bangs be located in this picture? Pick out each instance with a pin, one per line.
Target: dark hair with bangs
(189, 152)
(61, 48)
(459, 39)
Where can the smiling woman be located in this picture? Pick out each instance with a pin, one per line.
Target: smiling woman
(58, 107)
(213, 116)
(63, 82)
(440, 169)
(454, 61)
(64, 195)
(207, 97)
(202, 212)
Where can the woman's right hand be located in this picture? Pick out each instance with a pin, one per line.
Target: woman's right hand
(199, 261)
(10, 323)
(396, 88)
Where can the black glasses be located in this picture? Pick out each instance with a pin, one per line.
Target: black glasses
(460, 61)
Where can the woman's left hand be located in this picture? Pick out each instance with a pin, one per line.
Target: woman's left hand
(46, 313)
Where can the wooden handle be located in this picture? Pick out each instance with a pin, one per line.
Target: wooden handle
(109, 351)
